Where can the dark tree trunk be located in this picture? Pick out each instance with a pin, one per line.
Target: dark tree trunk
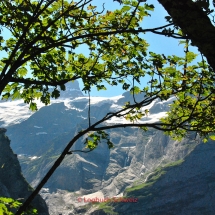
(194, 22)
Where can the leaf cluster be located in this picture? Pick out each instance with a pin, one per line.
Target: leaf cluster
(7, 205)
(95, 138)
(45, 36)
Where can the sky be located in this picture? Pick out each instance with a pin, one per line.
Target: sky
(158, 43)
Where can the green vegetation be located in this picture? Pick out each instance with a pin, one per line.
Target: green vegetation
(41, 56)
(109, 210)
(8, 206)
(40, 43)
(152, 178)
(173, 164)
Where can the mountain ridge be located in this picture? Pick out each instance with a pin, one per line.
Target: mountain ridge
(39, 139)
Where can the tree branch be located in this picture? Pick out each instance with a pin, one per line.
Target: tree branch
(54, 83)
(92, 35)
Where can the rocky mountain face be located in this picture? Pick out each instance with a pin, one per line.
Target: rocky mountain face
(12, 183)
(137, 156)
(184, 187)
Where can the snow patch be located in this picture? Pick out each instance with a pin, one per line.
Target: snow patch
(34, 157)
(45, 190)
(151, 118)
(125, 147)
(166, 101)
(82, 117)
(41, 133)
(115, 107)
(37, 126)
(98, 101)
(77, 109)
(22, 155)
(82, 159)
(10, 112)
(98, 195)
(15, 112)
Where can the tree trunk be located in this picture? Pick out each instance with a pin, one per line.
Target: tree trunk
(194, 22)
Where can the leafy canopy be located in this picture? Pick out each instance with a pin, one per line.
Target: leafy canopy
(42, 46)
(44, 39)
(41, 43)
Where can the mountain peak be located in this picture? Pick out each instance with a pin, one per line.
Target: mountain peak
(72, 90)
(3, 130)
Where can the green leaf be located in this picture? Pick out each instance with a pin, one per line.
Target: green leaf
(22, 71)
(144, 128)
(110, 144)
(191, 56)
(55, 93)
(135, 90)
(33, 106)
(125, 86)
(7, 203)
(62, 87)
(205, 140)
(125, 8)
(95, 138)
(150, 7)
(212, 137)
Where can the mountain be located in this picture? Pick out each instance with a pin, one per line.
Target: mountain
(12, 183)
(185, 187)
(72, 90)
(13, 112)
(39, 138)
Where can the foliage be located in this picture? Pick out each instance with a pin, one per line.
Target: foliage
(95, 138)
(45, 37)
(106, 208)
(194, 104)
(7, 205)
(42, 53)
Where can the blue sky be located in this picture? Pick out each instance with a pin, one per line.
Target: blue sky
(158, 43)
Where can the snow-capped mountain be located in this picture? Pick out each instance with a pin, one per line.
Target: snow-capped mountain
(16, 111)
(39, 137)
(62, 116)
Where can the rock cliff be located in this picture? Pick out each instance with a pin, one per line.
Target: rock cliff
(12, 182)
(186, 187)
